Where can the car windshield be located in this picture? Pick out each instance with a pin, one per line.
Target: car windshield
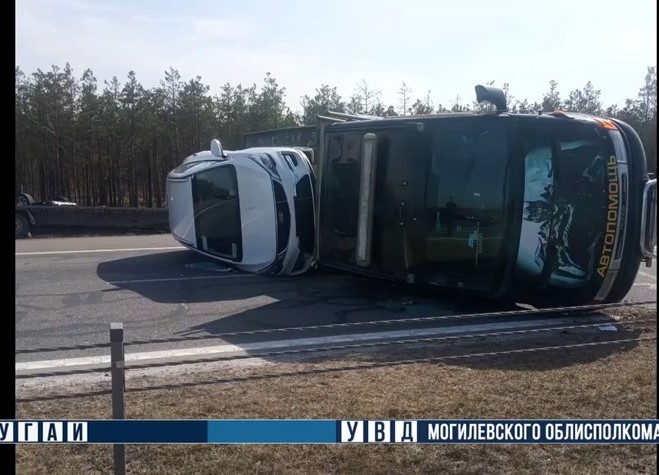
(465, 219)
(565, 202)
(217, 212)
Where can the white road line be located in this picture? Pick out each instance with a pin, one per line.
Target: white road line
(645, 284)
(288, 344)
(174, 279)
(90, 251)
(645, 274)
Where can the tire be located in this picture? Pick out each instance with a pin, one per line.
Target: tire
(23, 199)
(22, 226)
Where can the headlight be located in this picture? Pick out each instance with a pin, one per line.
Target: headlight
(267, 162)
(618, 146)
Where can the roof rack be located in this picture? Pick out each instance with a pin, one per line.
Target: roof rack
(344, 115)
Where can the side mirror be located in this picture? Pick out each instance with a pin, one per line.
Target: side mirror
(493, 95)
(216, 149)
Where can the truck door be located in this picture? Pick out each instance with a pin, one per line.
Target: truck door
(372, 190)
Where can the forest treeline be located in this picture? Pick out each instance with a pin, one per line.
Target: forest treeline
(113, 144)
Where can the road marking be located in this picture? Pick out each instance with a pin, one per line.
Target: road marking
(174, 279)
(645, 284)
(301, 342)
(90, 251)
(650, 276)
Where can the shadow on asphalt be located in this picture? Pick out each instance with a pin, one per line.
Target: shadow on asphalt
(245, 302)
(182, 277)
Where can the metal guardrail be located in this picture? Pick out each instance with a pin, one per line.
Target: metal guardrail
(341, 347)
(35, 216)
(118, 390)
(583, 309)
(118, 364)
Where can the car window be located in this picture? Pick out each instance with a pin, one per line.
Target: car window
(217, 212)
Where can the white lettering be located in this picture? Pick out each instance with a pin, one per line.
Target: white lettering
(518, 432)
(597, 431)
(549, 431)
(482, 431)
(636, 432)
(463, 431)
(646, 431)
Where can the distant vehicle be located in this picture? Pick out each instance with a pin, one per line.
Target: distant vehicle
(549, 208)
(24, 199)
(252, 209)
(62, 215)
(24, 219)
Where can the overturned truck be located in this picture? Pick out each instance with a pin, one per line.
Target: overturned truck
(540, 208)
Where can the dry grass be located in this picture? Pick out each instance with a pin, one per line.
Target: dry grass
(609, 381)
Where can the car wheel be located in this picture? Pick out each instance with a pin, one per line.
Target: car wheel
(23, 199)
(22, 226)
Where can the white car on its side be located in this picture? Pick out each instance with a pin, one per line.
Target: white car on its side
(253, 209)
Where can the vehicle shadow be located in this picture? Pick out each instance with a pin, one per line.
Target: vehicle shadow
(318, 297)
(226, 302)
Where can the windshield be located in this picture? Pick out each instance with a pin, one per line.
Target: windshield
(217, 212)
(465, 217)
(565, 204)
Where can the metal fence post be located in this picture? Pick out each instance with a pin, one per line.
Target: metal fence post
(118, 386)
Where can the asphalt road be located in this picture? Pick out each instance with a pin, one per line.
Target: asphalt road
(69, 290)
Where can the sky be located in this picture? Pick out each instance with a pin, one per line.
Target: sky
(442, 46)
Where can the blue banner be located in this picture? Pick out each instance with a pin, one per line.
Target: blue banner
(305, 431)
(272, 432)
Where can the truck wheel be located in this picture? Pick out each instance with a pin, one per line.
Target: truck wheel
(22, 226)
(23, 199)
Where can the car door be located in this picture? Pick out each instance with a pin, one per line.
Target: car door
(372, 193)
